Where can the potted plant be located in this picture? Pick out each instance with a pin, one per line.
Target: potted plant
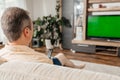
(50, 26)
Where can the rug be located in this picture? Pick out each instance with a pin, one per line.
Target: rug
(114, 70)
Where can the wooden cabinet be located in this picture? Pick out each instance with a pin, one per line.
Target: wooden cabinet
(101, 47)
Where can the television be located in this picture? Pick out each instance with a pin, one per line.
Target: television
(106, 27)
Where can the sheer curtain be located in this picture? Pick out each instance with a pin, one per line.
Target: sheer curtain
(5, 4)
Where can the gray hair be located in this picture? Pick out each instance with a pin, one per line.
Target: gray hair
(13, 21)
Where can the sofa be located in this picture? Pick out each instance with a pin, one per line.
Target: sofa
(17, 70)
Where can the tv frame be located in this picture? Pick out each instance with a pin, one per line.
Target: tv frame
(99, 37)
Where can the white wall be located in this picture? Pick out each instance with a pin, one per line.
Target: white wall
(40, 8)
(29, 6)
(49, 7)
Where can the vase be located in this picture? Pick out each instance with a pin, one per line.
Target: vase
(79, 33)
(48, 44)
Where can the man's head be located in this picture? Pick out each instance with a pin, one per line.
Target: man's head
(16, 23)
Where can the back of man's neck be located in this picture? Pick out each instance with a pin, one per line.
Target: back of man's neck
(13, 43)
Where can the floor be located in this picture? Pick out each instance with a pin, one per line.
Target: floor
(95, 58)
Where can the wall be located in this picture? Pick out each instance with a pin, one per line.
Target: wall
(29, 6)
(40, 8)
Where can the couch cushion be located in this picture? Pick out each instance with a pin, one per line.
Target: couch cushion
(40, 71)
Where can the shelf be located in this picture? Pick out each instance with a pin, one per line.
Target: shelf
(104, 9)
(102, 1)
(110, 53)
(109, 50)
(93, 42)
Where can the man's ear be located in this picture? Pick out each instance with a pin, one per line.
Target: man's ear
(26, 32)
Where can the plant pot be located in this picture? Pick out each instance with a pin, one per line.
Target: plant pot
(48, 44)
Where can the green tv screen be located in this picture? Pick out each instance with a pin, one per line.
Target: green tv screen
(103, 26)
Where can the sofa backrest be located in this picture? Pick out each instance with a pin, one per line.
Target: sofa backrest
(16, 70)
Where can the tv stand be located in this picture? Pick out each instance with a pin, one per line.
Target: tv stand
(102, 47)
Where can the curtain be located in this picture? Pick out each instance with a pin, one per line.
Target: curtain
(5, 4)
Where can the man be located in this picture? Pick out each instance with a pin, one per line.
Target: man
(18, 28)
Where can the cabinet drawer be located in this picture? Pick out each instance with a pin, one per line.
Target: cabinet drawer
(84, 48)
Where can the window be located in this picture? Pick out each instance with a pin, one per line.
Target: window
(5, 4)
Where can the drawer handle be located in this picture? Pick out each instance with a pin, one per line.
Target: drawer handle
(83, 45)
